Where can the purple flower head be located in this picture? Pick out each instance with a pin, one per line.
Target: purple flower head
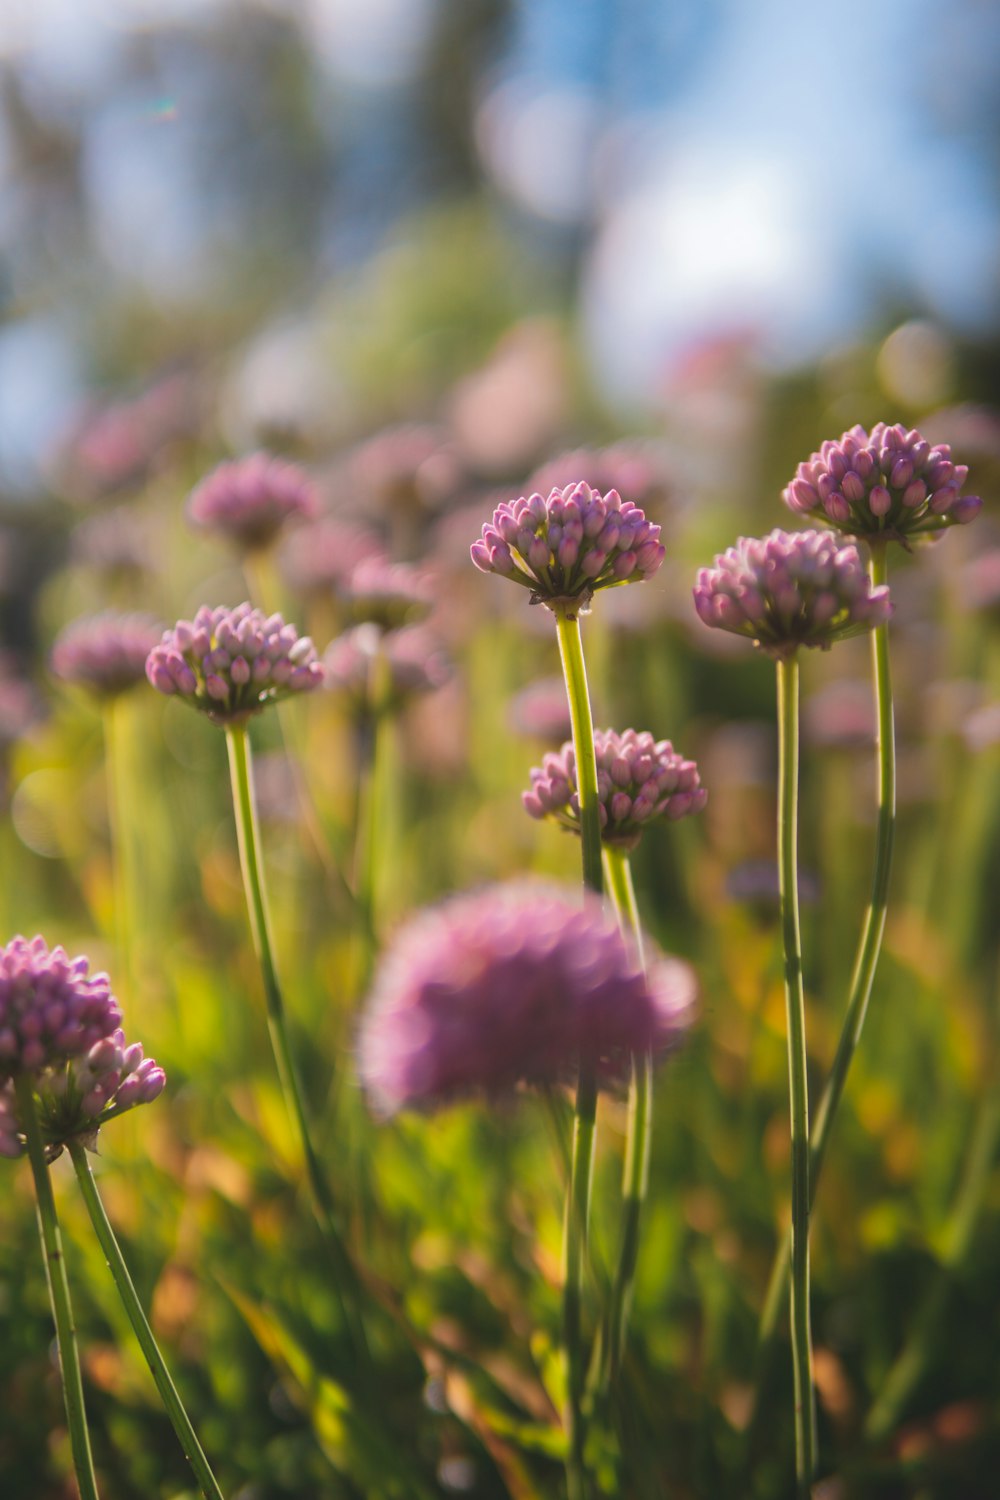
(389, 595)
(638, 779)
(321, 556)
(249, 500)
(887, 483)
(412, 660)
(565, 547)
(52, 1009)
(230, 663)
(790, 589)
(75, 1098)
(631, 468)
(105, 653)
(513, 984)
(540, 711)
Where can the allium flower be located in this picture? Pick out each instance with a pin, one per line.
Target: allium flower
(541, 711)
(790, 589)
(249, 500)
(52, 1009)
(229, 663)
(565, 547)
(512, 984)
(638, 778)
(321, 556)
(389, 595)
(887, 483)
(415, 664)
(105, 653)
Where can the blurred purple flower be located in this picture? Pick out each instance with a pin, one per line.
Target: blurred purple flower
(412, 466)
(230, 663)
(888, 483)
(19, 707)
(319, 557)
(415, 663)
(105, 653)
(513, 984)
(541, 711)
(389, 595)
(250, 500)
(841, 716)
(631, 468)
(790, 589)
(638, 779)
(116, 445)
(568, 545)
(118, 543)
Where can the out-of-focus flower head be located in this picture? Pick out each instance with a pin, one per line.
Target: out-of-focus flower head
(249, 500)
(638, 779)
(409, 662)
(19, 707)
(513, 984)
(118, 444)
(540, 711)
(888, 483)
(565, 546)
(413, 466)
(978, 583)
(790, 589)
(319, 557)
(59, 1027)
(631, 468)
(105, 653)
(389, 595)
(841, 716)
(117, 543)
(230, 663)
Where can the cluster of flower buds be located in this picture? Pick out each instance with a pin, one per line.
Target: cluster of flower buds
(887, 483)
(251, 499)
(389, 595)
(230, 663)
(513, 984)
(380, 672)
(790, 589)
(59, 1027)
(638, 778)
(566, 546)
(105, 653)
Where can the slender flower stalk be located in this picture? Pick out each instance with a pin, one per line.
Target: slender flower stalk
(241, 773)
(116, 743)
(193, 1450)
(638, 1144)
(788, 792)
(58, 1283)
(585, 1117)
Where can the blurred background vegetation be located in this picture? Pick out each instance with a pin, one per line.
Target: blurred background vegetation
(423, 248)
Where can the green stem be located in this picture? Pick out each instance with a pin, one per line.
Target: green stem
(193, 1451)
(788, 793)
(344, 1278)
(866, 960)
(635, 1179)
(62, 1307)
(122, 869)
(584, 1124)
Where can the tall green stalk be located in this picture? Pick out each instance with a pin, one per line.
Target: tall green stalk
(193, 1450)
(58, 1283)
(788, 796)
(344, 1278)
(584, 1124)
(869, 948)
(635, 1179)
(116, 736)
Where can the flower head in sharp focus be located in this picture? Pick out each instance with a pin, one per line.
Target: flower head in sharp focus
(790, 589)
(512, 984)
(567, 545)
(230, 663)
(60, 1027)
(889, 483)
(250, 500)
(105, 653)
(638, 779)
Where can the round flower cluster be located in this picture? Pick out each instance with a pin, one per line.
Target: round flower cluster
(389, 595)
(638, 778)
(248, 501)
(568, 545)
(105, 653)
(230, 663)
(887, 483)
(321, 556)
(51, 1007)
(790, 589)
(413, 660)
(513, 984)
(74, 1099)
